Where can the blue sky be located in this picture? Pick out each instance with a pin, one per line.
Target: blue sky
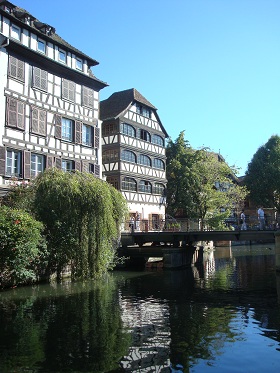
(211, 67)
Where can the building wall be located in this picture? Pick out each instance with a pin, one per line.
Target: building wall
(40, 90)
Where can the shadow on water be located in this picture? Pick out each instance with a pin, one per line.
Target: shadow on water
(198, 319)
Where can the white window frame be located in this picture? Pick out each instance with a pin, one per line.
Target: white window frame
(37, 164)
(67, 129)
(41, 42)
(67, 165)
(61, 53)
(87, 135)
(13, 163)
(79, 64)
(15, 32)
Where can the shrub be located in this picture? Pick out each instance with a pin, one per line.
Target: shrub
(20, 241)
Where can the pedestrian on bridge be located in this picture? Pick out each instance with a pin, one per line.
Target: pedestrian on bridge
(243, 221)
(261, 218)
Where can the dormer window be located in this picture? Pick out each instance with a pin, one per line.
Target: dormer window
(143, 110)
(62, 56)
(7, 9)
(15, 32)
(79, 64)
(41, 46)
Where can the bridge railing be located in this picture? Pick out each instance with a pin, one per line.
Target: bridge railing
(183, 224)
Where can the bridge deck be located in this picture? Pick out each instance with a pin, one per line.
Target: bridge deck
(140, 238)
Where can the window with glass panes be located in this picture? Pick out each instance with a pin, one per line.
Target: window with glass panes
(159, 189)
(13, 163)
(128, 156)
(158, 140)
(87, 135)
(37, 164)
(145, 186)
(128, 129)
(67, 165)
(158, 163)
(67, 129)
(129, 183)
(144, 160)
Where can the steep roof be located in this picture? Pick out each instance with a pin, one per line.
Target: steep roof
(118, 102)
(19, 14)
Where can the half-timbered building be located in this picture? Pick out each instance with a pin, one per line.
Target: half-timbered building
(49, 101)
(133, 155)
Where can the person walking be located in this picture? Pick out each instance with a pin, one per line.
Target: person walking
(243, 221)
(261, 218)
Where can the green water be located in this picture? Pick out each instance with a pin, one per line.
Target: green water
(221, 317)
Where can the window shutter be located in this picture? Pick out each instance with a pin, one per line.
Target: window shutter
(49, 163)
(40, 78)
(96, 137)
(2, 160)
(85, 166)
(16, 68)
(20, 116)
(26, 164)
(34, 120)
(57, 126)
(58, 163)
(11, 112)
(78, 134)
(36, 77)
(44, 80)
(42, 122)
(97, 170)
(77, 165)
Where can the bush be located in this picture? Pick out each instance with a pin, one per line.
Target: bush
(20, 241)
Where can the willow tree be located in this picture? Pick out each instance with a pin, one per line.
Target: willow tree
(82, 215)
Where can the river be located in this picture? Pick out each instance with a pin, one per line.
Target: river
(223, 316)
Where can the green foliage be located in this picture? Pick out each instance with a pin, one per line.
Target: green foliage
(263, 175)
(82, 215)
(20, 241)
(200, 185)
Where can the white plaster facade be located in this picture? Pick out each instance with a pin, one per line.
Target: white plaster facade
(49, 101)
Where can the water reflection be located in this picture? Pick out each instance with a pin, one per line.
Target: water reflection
(223, 316)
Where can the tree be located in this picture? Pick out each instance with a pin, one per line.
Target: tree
(200, 185)
(82, 216)
(262, 177)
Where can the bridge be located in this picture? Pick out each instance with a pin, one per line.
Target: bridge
(178, 248)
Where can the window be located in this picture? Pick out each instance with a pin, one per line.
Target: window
(143, 110)
(110, 156)
(144, 135)
(87, 135)
(67, 129)
(145, 160)
(128, 129)
(37, 164)
(41, 46)
(129, 184)
(109, 129)
(38, 121)
(79, 64)
(159, 189)
(61, 56)
(40, 78)
(13, 163)
(113, 181)
(16, 68)
(128, 156)
(67, 165)
(15, 113)
(145, 186)
(158, 163)
(68, 90)
(87, 96)
(158, 140)
(15, 32)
